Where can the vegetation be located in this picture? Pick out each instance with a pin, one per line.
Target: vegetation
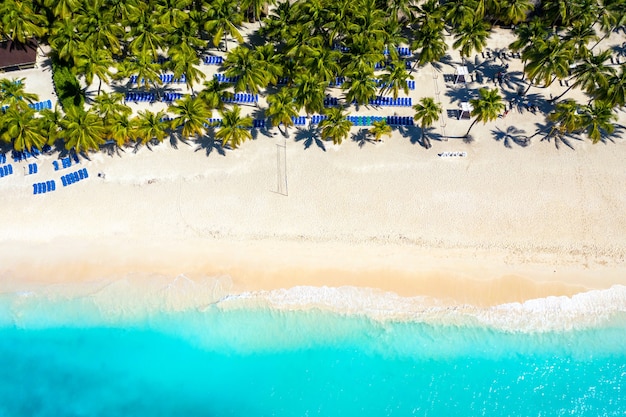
(305, 45)
(68, 89)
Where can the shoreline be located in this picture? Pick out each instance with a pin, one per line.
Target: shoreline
(482, 278)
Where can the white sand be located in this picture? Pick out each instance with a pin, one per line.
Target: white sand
(502, 224)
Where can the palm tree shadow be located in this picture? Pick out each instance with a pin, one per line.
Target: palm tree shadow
(468, 138)
(175, 138)
(209, 144)
(510, 136)
(617, 132)
(560, 140)
(309, 136)
(362, 137)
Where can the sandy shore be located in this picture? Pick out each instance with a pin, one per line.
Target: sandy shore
(504, 223)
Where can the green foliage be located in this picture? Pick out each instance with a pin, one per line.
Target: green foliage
(67, 87)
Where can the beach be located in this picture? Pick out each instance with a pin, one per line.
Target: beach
(499, 225)
(485, 221)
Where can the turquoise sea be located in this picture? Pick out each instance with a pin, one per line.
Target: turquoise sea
(63, 357)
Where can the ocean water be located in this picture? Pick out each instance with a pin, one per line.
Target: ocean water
(74, 357)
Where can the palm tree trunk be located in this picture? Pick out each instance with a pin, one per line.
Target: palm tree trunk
(99, 85)
(470, 128)
(552, 100)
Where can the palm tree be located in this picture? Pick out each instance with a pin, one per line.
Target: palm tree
(50, 123)
(427, 112)
(591, 74)
(471, 36)
(548, 60)
(63, 8)
(91, 62)
(360, 87)
(615, 92)
(580, 35)
(185, 61)
(597, 120)
(528, 34)
(214, 93)
(395, 79)
(336, 126)
(429, 38)
(458, 12)
(516, 11)
(379, 129)
(21, 128)
(65, 40)
(192, 116)
(309, 93)
(241, 62)
(99, 28)
(82, 130)
(486, 107)
(280, 24)
(14, 91)
(566, 118)
(150, 126)
(121, 129)
(19, 22)
(323, 62)
(223, 18)
(145, 31)
(270, 60)
(109, 105)
(281, 109)
(143, 67)
(234, 129)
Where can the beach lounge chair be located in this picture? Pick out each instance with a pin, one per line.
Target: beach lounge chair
(64, 181)
(55, 164)
(80, 174)
(35, 189)
(85, 173)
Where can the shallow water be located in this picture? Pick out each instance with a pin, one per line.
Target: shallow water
(69, 358)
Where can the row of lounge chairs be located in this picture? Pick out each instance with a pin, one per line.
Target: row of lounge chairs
(32, 168)
(141, 97)
(331, 101)
(500, 54)
(402, 51)
(169, 97)
(299, 120)
(382, 65)
(213, 60)
(452, 154)
(242, 98)
(390, 101)
(258, 123)
(23, 155)
(224, 79)
(380, 83)
(165, 79)
(65, 163)
(44, 187)
(317, 118)
(41, 105)
(73, 177)
(6, 170)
